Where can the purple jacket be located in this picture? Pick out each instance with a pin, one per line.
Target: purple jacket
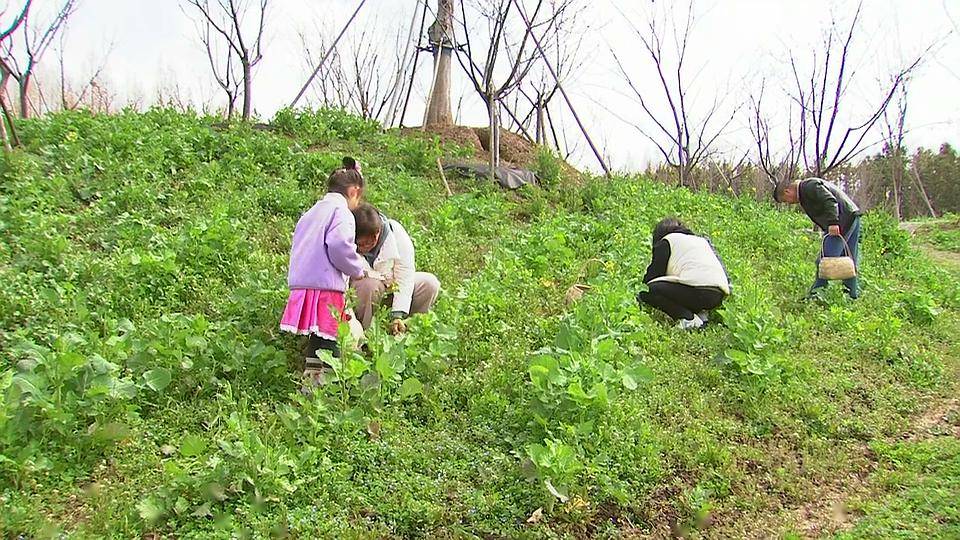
(324, 250)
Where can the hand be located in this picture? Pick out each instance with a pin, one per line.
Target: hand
(397, 327)
(373, 274)
(833, 230)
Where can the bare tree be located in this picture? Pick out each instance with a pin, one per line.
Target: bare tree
(329, 85)
(91, 91)
(777, 164)
(442, 43)
(824, 140)
(682, 139)
(21, 16)
(564, 47)
(923, 190)
(528, 24)
(731, 172)
(21, 57)
(509, 56)
(224, 66)
(365, 75)
(893, 131)
(5, 74)
(376, 75)
(225, 18)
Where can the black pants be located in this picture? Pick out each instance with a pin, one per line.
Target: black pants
(681, 301)
(316, 343)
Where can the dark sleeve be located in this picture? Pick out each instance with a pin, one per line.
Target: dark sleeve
(726, 274)
(658, 265)
(830, 208)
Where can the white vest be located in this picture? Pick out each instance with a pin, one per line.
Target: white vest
(693, 262)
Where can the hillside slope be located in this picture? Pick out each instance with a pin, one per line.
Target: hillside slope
(147, 388)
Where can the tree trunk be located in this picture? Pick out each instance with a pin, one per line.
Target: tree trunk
(441, 37)
(63, 85)
(492, 138)
(247, 90)
(496, 133)
(541, 126)
(3, 136)
(4, 78)
(926, 199)
(8, 116)
(24, 97)
(897, 182)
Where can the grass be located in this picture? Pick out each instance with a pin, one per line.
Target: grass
(920, 492)
(147, 389)
(942, 233)
(915, 489)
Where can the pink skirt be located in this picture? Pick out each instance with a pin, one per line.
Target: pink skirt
(308, 311)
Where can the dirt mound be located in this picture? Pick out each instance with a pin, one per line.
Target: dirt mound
(513, 148)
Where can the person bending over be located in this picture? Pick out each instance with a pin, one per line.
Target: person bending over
(686, 279)
(388, 252)
(835, 214)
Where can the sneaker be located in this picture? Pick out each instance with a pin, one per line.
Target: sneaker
(704, 316)
(815, 294)
(690, 324)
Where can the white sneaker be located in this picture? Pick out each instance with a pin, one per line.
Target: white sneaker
(690, 324)
(704, 316)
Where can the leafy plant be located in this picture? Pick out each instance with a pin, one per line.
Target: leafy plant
(557, 466)
(757, 333)
(575, 383)
(548, 168)
(324, 125)
(147, 389)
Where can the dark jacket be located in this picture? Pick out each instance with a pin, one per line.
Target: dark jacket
(826, 204)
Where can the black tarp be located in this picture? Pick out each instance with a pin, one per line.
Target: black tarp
(507, 177)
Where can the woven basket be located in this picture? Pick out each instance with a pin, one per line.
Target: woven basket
(837, 268)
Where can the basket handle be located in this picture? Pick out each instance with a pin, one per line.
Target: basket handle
(846, 246)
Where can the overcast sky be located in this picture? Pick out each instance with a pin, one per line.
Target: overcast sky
(735, 44)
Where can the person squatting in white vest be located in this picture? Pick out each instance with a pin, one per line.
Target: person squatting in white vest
(686, 278)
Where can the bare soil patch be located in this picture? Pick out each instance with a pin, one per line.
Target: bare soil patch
(826, 510)
(947, 259)
(514, 150)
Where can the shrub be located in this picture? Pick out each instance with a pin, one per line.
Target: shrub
(322, 126)
(548, 168)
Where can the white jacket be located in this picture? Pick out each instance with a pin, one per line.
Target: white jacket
(693, 262)
(395, 264)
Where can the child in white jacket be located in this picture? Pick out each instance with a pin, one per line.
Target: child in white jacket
(388, 251)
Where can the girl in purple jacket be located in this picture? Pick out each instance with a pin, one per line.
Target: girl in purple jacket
(322, 259)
